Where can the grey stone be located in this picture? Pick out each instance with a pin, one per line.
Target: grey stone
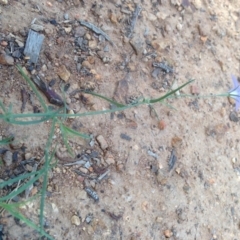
(7, 158)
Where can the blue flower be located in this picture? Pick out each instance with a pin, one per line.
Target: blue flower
(235, 91)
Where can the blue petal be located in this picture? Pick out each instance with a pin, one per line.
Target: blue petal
(235, 81)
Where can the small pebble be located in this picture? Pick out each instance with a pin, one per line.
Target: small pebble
(89, 218)
(68, 29)
(84, 170)
(70, 111)
(102, 142)
(88, 36)
(28, 155)
(80, 31)
(37, 27)
(194, 90)
(113, 18)
(86, 64)
(75, 220)
(4, 43)
(7, 158)
(152, 17)
(6, 60)
(168, 233)
(179, 26)
(57, 170)
(125, 137)
(66, 16)
(53, 22)
(137, 45)
(234, 160)
(233, 117)
(63, 73)
(92, 44)
(44, 68)
(110, 159)
(161, 125)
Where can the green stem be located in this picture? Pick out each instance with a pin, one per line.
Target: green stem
(45, 180)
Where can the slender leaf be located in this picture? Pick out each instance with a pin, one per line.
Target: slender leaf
(6, 140)
(64, 136)
(16, 179)
(73, 132)
(23, 187)
(105, 98)
(170, 93)
(15, 212)
(45, 177)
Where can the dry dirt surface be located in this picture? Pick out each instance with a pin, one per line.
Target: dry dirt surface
(171, 170)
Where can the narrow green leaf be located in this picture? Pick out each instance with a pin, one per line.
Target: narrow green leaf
(105, 98)
(45, 177)
(68, 130)
(16, 179)
(23, 187)
(6, 140)
(65, 141)
(14, 211)
(170, 93)
(28, 122)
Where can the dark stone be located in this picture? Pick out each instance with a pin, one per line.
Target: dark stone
(233, 117)
(53, 22)
(125, 137)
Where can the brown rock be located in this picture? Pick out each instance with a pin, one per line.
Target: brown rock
(86, 64)
(91, 59)
(155, 44)
(88, 36)
(231, 100)
(176, 141)
(194, 90)
(161, 125)
(109, 159)
(4, 43)
(102, 142)
(60, 40)
(168, 233)
(113, 18)
(6, 59)
(68, 29)
(92, 44)
(34, 191)
(131, 124)
(132, 67)
(63, 73)
(86, 99)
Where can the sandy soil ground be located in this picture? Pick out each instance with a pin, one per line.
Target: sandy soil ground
(142, 196)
